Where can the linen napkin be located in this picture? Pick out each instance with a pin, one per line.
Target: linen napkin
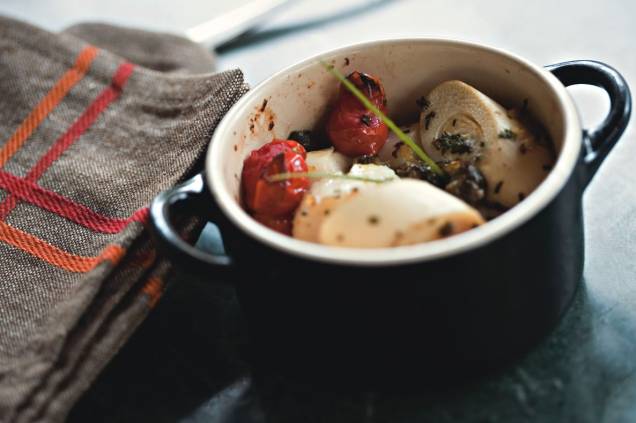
(87, 139)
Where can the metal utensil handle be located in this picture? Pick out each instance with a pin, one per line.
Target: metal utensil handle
(227, 26)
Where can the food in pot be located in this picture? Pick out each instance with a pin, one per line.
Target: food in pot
(466, 160)
(274, 203)
(353, 129)
(463, 124)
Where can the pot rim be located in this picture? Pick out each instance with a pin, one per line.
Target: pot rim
(469, 240)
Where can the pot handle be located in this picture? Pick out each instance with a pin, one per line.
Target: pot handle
(599, 141)
(193, 196)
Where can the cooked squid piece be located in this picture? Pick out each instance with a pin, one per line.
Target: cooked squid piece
(461, 123)
(328, 160)
(397, 154)
(400, 212)
(327, 194)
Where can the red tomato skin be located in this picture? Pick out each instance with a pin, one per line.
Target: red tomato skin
(255, 165)
(274, 199)
(351, 136)
(353, 130)
(370, 86)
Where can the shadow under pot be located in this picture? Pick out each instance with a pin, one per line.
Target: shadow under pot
(446, 308)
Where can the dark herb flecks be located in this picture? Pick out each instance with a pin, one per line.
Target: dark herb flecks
(454, 143)
(423, 103)
(446, 229)
(369, 159)
(373, 220)
(498, 187)
(521, 196)
(523, 149)
(427, 119)
(396, 148)
(420, 170)
(366, 120)
(508, 134)
(466, 182)
(310, 140)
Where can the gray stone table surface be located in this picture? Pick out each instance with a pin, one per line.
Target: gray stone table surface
(189, 360)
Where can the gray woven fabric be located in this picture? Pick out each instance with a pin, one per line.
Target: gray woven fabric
(72, 288)
(158, 51)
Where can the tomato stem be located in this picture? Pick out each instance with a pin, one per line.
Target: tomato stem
(373, 109)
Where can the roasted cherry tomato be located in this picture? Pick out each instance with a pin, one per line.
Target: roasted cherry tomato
(274, 199)
(354, 130)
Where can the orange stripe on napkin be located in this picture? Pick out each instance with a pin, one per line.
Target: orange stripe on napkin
(55, 256)
(48, 103)
(153, 288)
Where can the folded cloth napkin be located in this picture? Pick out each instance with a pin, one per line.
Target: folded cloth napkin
(87, 139)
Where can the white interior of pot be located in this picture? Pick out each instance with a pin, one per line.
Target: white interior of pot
(299, 97)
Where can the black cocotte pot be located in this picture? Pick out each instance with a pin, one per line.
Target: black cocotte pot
(470, 301)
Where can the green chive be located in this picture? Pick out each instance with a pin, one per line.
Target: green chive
(321, 175)
(371, 107)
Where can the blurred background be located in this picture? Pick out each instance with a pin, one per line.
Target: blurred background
(544, 31)
(185, 366)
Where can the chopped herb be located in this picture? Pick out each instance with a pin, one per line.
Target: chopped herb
(406, 131)
(498, 187)
(373, 220)
(455, 143)
(521, 196)
(264, 105)
(508, 134)
(467, 182)
(446, 229)
(396, 148)
(303, 213)
(311, 140)
(366, 119)
(369, 159)
(271, 125)
(427, 119)
(482, 144)
(454, 122)
(422, 103)
(420, 170)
